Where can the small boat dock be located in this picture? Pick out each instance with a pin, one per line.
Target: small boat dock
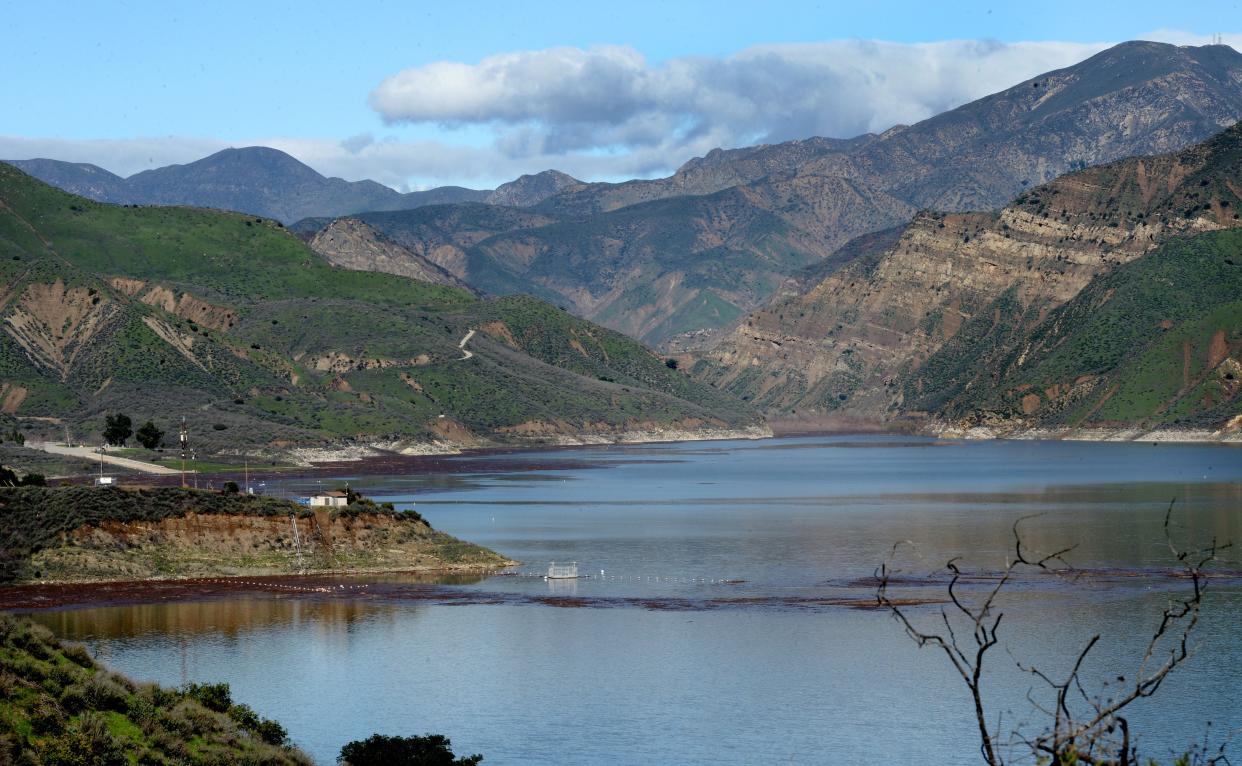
(566, 571)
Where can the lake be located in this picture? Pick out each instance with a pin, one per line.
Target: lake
(726, 618)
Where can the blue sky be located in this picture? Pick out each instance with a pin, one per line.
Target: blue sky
(133, 84)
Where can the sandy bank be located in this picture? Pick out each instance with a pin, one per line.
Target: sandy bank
(309, 456)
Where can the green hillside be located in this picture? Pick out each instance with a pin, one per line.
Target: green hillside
(62, 708)
(1153, 342)
(234, 323)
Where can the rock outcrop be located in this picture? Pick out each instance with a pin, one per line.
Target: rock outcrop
(352, 244)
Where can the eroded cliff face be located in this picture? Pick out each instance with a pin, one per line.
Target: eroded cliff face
(352, 244)
(851, 340)
(198, 545)
(54, 323)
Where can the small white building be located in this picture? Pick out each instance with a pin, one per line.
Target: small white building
(333, 498)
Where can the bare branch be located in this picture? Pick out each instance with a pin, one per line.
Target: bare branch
(1102, 736)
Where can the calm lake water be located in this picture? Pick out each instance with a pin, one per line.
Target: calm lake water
(716, 627)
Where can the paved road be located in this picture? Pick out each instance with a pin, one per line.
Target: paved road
(89, 453)
(466, 353)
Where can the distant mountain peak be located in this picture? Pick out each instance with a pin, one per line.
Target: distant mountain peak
(258, 180)
(531, 189)
(249, 160)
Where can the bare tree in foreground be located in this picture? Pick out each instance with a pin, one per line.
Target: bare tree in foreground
(1085, 728)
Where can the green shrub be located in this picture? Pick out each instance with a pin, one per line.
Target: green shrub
(382, 750)
(74, 699)
(79, 655)
(86, 743)
(65, 675)
(188, 718)
(104, 693)
(215, 697)
(265, 729)
(46, 716)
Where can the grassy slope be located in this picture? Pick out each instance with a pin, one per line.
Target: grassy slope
(291, 307)
(1135, 346)
(59, 707)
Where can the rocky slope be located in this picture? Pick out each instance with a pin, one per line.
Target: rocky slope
(233, 322)
(352, 244)
(1135, 98)
(255, 180)
(1152, 344)
(442, 234)
(864, 340)
(720, 169)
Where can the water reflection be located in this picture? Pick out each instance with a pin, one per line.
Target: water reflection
(228, 619)
(563, 587)
(728, 620)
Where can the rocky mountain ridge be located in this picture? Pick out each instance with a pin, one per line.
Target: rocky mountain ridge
(864, 340)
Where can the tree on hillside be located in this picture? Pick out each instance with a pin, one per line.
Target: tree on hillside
(1087, 726)
(381, 750)
(117, 429)
(149, 436)
(9, 478)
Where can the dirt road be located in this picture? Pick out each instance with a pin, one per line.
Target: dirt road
(465, 353)
(89, 453)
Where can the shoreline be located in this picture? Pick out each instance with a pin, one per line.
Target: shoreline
(430, 457)
(309, 457)
(1115, 435)
(405, 457)
(432, 571)
(59, 594)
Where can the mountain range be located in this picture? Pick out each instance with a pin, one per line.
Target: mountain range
(269, 183)
(667, 259)
(230, 320)
(673, 261)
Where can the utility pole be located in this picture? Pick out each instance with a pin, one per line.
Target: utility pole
(185, 447)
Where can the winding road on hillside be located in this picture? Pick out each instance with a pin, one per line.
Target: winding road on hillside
(465, 353)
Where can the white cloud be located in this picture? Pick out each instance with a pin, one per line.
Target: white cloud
(573, 99)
